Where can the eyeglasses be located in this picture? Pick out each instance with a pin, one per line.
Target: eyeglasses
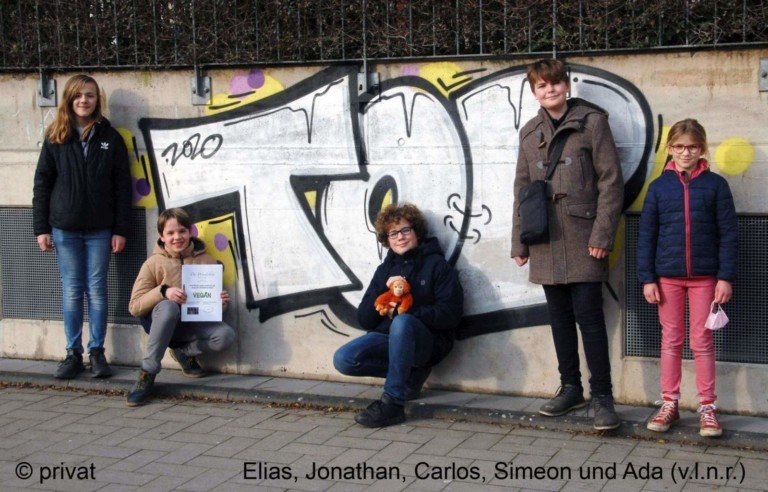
(404, 231)
(679, 148)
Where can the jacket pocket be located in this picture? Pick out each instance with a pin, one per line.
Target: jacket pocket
(582, 210)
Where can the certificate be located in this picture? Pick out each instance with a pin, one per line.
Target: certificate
(202, 284)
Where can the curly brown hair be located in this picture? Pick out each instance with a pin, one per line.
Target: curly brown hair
(395, 212)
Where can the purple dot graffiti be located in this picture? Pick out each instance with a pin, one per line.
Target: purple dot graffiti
(220, 241)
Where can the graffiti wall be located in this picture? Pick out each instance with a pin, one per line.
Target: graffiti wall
(285, 171)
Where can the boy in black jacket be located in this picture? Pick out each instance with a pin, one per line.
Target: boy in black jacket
(403, 347)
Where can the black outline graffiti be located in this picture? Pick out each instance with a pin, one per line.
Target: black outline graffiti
(500, 320)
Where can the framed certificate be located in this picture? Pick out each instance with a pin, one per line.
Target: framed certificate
(202, 284)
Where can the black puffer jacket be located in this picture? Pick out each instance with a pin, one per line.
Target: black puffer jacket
(438, 300)
(76, 193)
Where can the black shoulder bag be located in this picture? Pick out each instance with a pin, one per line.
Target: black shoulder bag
(534, 221)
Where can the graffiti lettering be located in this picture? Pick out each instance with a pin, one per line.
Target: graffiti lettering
(192, 148)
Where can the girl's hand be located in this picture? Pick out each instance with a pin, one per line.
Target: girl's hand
(723, 291)
(393, 279)
(45, 242)
(651, 293)
(176, 295)
(224, 298)
(521, 260)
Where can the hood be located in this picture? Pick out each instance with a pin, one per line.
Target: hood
(701, 166)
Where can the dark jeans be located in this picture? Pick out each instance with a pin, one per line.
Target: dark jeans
(580, 303)
(392, 356)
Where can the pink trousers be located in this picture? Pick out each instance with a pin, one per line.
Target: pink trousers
(700, 292)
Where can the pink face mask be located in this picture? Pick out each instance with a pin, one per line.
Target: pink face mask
(717, 317)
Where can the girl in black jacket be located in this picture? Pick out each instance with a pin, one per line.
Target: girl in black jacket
(82, 205)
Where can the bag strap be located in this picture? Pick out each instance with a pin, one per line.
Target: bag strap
(557, 151)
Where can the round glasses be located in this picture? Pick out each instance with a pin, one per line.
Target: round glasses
(680, 148)
(404, 231)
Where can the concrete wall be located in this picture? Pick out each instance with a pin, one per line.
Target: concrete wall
(289, 165)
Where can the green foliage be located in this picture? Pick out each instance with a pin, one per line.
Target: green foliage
(176, 33)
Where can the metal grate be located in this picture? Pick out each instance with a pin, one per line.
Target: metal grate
(745, 338)
(31, 284)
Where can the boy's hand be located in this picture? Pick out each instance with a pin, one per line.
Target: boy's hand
(176, 295)
(118, 243)
(521, 260)
(224, 298)
(45, 242)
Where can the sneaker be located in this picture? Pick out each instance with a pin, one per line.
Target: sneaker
(667, 415)
(71, 366)
(141, 390)
(708, 423)
(605, 415)
(189, 365)
(381, 413)
(569, 397)
(416, 381)
(99, 366)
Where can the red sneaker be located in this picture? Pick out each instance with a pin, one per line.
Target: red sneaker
(665, 416)
(708, 423)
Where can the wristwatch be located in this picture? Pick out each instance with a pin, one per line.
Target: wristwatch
(163, 288)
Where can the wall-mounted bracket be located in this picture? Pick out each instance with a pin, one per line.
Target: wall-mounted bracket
(368, 84)
(763, 75)
(201, 89)
(46, 92)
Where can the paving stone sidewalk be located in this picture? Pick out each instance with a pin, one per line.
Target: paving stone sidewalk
(76, 440)
(747, 432)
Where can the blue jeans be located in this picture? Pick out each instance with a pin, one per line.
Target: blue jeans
(391, 356)
(580, 303)
(83, 258)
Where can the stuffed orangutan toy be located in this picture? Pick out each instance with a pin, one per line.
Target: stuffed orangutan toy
(399, 292)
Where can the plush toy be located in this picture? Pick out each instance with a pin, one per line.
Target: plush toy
(400, 293)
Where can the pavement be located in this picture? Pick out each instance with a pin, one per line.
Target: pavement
(740, 431)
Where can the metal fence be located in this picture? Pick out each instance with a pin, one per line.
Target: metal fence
(62, 34)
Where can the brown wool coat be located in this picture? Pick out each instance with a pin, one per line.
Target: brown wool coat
(163, 267)
(590, 188)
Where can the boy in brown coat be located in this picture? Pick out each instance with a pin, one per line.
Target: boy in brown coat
(587, 195)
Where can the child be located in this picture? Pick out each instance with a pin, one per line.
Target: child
(587, 196)
(83, 213)
(157, 297)
(687, 247)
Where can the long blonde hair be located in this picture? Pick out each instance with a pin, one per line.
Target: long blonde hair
(62, 127)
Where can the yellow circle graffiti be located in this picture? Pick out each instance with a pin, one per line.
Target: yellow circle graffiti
(734, 156)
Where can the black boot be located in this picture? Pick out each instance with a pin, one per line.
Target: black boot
(99, 366)
(189, 365)
(70, 367)
(141, 390)
(381, 413)
(605, 415)
(569, 397)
